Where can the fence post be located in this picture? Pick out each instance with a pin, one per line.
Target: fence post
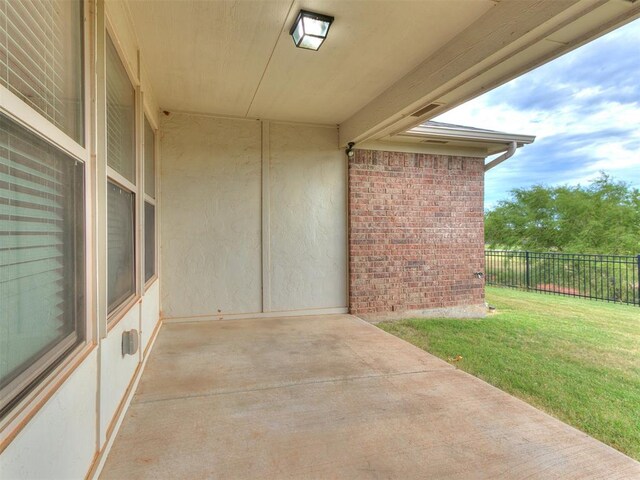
(638, 279)
(528, 273)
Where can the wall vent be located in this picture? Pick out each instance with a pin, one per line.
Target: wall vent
(435, 141)
(427, 109)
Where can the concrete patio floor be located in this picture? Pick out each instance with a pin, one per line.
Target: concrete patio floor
(333, 397)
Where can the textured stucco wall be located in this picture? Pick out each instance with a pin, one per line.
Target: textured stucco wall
(416, 234)
(149, 314)
(308, 218)
(212, 197)
(118, 369)
(210, 216)
(60, 440)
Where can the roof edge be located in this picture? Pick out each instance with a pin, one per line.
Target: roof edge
(461, 133)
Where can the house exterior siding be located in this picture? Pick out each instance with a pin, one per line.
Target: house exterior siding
(416, 234)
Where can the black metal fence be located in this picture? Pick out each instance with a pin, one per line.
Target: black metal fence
(614, 278)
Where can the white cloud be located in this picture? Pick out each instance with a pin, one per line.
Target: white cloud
(584, 124)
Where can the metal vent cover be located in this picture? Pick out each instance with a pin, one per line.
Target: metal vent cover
(427, 109)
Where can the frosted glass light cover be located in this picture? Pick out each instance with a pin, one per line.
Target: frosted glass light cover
(312, 43)
(313, 26)
(298, 33)
(310, 29)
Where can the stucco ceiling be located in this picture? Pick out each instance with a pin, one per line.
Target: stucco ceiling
(237, 58)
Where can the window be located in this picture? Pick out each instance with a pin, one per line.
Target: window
(42, 217)
(41, 59)
(121, 199)
(149, 241)
(121, 117)
(149, 160)
(149, 204)
(41, 258)
(120, 245)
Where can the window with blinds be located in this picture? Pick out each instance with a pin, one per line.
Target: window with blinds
(149, 204)
(149, 160)
(121, 146)
(121, 200)
(41, 59)
(149, 241)
(120, 245)
(41, 258)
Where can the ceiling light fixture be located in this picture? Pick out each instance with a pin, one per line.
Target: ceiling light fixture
(310, 29)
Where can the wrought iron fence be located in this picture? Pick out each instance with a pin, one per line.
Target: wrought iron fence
(614, 278)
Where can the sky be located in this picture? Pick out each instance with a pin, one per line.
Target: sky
(583, 108)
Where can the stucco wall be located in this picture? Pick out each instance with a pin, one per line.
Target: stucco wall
(308, 218)
(226, 232)
(60, 441)
(416, 234)
(149, 314)
(211, 216)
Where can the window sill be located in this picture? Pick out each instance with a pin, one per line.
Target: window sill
(19, 417)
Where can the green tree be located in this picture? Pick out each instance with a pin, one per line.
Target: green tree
(602, 217)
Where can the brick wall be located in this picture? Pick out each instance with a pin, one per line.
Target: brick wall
(416, 232)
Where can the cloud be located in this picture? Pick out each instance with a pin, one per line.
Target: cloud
(584, 109)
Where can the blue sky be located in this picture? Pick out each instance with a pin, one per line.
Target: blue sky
(584, 109)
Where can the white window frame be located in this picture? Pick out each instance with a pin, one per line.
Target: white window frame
(147, 198)
(23, 114)
(118, 313)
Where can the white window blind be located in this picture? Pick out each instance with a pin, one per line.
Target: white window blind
(41, 58)
(149, 241)
(41, 257)
(149, 208)
(149, 160)
(120, 245)
(121, 149)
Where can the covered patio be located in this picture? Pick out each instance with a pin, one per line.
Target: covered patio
(333, 397)
(190, 206)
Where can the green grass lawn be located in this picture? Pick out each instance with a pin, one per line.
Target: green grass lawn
(578, 360)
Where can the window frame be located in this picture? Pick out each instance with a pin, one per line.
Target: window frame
(148, 198)
(119, 312)
(18, 111)
(126, 301)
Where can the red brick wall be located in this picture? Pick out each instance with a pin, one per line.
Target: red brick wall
(416, 231)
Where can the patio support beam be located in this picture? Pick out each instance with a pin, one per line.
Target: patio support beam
(512, 38)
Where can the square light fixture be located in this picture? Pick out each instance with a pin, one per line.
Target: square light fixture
(310, 29)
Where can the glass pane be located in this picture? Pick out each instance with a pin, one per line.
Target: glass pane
(149, 160)
(121, 146)
(120, 245)
(149, 241)
(298, 33)
(313, 26)
(41, 59)
(312, 43)
(41, 257)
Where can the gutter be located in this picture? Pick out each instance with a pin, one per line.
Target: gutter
(497, 161)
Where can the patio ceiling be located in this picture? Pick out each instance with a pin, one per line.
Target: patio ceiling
(384, 60)
(237, 58)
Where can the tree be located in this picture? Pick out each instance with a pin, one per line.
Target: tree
(602, 217)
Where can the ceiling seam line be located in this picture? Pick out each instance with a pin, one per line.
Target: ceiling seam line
(264, 72)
